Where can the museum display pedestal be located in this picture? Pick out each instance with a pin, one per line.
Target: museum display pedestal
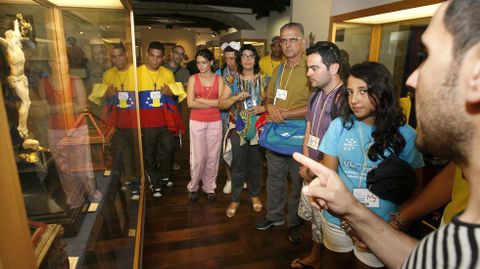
(50, 249)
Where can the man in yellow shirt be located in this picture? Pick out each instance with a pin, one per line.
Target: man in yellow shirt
(158, 140)
(120, 99)
(270, 62)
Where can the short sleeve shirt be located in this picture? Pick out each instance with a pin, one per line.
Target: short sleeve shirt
(350, 145)
(319, 114)
(294, 81)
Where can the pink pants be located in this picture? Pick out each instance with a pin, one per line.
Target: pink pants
(205, 142)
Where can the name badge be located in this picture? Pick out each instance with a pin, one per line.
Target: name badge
(123, 97)
(249, 103)
(367, 198)
(155, 96)
(281, 94)
(313, 142)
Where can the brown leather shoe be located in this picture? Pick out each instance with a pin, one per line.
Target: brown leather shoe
(232, 209)
(256, 204)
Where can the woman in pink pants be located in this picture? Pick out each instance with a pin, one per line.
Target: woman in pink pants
(205, 126)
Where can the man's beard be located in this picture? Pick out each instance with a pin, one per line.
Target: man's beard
(443, 128)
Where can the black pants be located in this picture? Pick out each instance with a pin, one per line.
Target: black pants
(246, 166)
(158, 145)
(123, 153)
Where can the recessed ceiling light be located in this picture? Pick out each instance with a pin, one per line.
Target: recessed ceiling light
(401, 15)
(116, 4)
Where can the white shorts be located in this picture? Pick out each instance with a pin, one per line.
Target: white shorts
(336, 240)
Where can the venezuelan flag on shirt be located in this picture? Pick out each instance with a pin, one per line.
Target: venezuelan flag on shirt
(150, 98)
(121, 108)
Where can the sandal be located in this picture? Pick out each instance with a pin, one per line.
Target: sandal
(232, 209)
(256, 204)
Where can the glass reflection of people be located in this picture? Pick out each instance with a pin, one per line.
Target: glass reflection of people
(76, 56)
(17, 79)
(120, 99)
(74, 162)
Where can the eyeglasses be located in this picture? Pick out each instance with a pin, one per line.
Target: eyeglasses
(178, 53)
(292, 40)
(248, 56)
(331, 50)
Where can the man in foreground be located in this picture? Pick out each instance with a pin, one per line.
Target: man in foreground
(448, 114)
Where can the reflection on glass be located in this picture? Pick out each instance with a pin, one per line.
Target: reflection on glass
(399, 47)
(354, 39)
(72, 139)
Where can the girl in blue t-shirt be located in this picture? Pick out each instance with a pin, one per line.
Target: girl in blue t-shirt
(370, 129)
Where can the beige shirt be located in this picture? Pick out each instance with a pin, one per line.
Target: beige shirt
(294, 81)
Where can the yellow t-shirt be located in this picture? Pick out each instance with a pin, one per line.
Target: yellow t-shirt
(406, 105)
(460, 194)
(147, 78)
(267, 65)
(294, 81)
(150, 101)
(122, 80)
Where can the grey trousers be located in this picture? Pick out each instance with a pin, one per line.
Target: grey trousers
(277, 187)
(246, 166)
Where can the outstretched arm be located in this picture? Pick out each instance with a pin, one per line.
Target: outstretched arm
(16, 26)
(330, 193)
(436, 194)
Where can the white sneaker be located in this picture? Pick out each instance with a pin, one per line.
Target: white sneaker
(244, 185)
(157, 194)
(228, 187)
(136, 197)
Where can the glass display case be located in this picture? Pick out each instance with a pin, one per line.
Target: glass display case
(76, 146)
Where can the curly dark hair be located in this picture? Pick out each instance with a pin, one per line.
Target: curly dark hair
(388, 115)
(238, 59)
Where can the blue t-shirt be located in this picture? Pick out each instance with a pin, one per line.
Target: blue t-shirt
(346, 145)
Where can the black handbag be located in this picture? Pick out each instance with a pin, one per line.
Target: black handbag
(392, 180)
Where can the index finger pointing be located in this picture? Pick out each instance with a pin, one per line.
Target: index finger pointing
(314, 166)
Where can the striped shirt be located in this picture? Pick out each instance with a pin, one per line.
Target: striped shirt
(455, 245)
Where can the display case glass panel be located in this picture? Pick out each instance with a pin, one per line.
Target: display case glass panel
(399, 49)
(354, 39)
(67, 77)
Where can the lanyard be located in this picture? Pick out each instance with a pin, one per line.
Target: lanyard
(364, 154)
(288, 79)
(323, 104)
(280, 75)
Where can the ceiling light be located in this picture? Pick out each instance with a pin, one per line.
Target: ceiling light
(401, 15)
(149, 27)
(116, 4)
(81, 32)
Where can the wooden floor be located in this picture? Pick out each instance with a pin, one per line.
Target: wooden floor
(183, 234)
